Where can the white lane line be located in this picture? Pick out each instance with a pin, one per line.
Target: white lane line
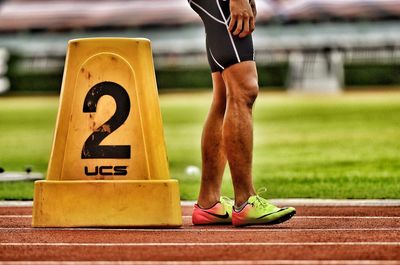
(347, 217)
(205, 230)
(179, 244)
(16, 216)
(323, 202)
(336, 202)
(295, 217)
(326, 202)
(219, 262)
(16, 203)
(291, 202)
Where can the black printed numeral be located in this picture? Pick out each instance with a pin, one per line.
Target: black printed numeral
(92, 147)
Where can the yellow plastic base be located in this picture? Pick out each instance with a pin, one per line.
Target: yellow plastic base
(107, 203)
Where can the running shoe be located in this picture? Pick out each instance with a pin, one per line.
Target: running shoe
(258, 210)
(219, 213)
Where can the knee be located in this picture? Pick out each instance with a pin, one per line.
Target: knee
(251, 93)
(246, 95)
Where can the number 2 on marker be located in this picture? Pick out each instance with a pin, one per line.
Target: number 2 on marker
(92, 148)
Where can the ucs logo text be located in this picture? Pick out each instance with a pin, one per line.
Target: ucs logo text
(107, 171)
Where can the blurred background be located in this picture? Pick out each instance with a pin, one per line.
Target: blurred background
(341, 142)
(300, 44)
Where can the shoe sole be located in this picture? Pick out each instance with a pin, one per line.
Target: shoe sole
(282, 219)
(207, 224)
(274, 222)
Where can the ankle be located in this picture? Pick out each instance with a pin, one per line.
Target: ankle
(207, 202)
(242, 199)
(239, 207)
(239, 203)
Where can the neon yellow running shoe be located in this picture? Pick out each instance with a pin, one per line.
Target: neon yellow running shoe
(258, 210)
(219, 213)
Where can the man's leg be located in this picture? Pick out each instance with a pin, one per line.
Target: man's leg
(213, 153)
(242, 89)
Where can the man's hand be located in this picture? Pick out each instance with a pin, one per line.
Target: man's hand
(243, 16)
(253, 8)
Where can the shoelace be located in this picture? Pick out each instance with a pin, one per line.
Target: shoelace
(263, 202)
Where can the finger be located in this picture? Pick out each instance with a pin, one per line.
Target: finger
(232, 23)
(252, 24)
(239, 26)
(246, 28)
(254, 9)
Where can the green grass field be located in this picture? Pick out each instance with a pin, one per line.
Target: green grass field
(345, 146)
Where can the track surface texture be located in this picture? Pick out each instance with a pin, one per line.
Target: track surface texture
(318, 234)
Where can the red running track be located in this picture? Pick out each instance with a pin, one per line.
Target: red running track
(316, 235)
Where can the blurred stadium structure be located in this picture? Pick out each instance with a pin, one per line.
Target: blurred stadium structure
(4, 83)
(304, 45)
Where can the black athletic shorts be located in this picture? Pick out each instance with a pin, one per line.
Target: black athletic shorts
(223, 48)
